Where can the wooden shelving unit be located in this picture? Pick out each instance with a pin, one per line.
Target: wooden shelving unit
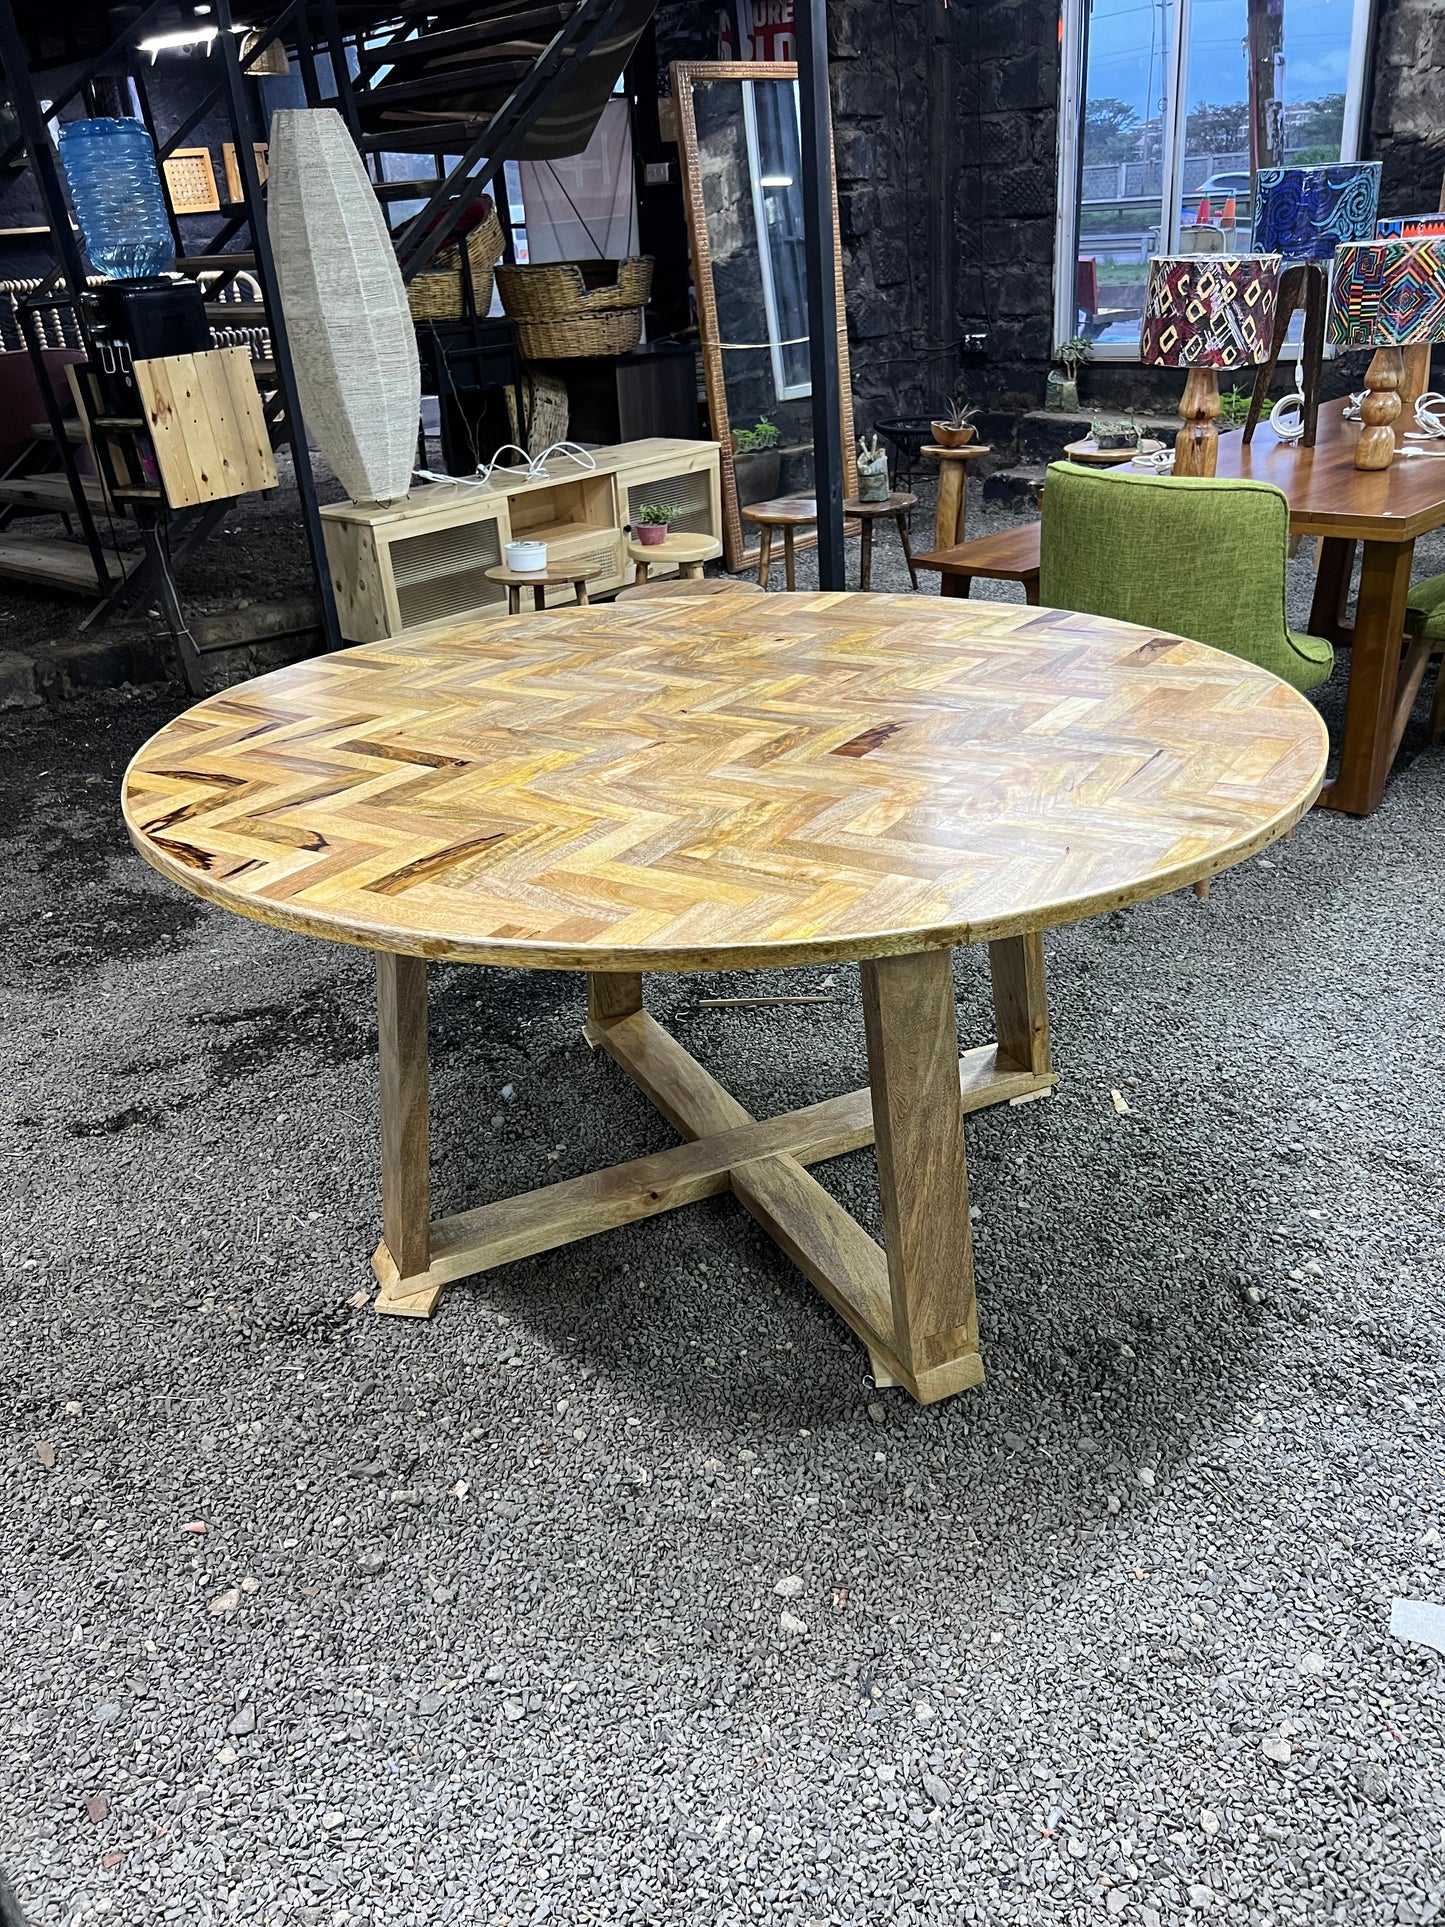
(397, 565)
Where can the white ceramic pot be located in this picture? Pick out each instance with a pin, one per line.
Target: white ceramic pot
(526, 556)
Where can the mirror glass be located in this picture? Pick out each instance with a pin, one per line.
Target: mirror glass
(741, 143)
(750, 175)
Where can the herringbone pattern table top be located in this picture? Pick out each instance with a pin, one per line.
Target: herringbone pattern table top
(730, 781)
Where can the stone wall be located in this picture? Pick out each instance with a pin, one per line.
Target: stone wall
(946, 132)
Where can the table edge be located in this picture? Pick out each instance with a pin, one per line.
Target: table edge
(686, 959)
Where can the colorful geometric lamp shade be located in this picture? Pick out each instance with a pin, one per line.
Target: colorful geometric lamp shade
(1387, 295)
(1206, 312)
(352, 338)
(1304, 213)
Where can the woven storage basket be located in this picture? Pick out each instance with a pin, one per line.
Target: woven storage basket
(436, 294)
(558, 291)
(616, 331)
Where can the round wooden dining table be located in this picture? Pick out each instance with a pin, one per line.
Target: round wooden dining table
(732, 783)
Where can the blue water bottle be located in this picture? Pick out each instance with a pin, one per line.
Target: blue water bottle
(110, 166)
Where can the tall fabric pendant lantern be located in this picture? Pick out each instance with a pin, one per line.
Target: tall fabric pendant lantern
(351, 333)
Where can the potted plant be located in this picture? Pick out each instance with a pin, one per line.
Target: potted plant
(757, 461)
(958, 430)
(651, 523)
(1107, 434)
(1063, 389)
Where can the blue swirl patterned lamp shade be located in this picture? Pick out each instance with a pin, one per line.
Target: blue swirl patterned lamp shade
(1304, 213)
(1388, 294)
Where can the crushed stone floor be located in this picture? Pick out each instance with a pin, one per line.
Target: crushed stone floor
(312, 1617)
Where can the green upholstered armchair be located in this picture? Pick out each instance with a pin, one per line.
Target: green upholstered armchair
(1203, 558)
(1425, 621)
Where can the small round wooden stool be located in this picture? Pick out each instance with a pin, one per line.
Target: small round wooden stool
(555, 576)
(896, 508)
(788, 513)
(685, 553)
(673, 585)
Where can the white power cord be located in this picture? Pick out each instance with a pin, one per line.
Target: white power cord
(533, 468)
(1287, 417)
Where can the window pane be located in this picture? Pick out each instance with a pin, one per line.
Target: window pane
(1215, 198)
(1120, 206)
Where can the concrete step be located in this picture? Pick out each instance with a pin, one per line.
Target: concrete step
(1014, 488)
(1044, 432)
(49, 494)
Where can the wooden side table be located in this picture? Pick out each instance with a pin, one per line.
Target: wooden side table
(685, 553)
(788, 513)
(555, 576)
(896, 508)
(948, 517)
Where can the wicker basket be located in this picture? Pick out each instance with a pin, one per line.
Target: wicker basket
(436, 294)
(616, 331)
(558, 291)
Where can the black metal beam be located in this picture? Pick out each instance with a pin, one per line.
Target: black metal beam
(340, 68)
(820, 263)
(240, 107)
(574, 41)
(117, 50)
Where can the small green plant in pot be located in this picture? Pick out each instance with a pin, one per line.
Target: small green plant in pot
(757, 461)
(1063, 389)
(652, 521)
(957, 430)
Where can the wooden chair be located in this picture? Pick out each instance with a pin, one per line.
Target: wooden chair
(675, 586)
(1010, 556)
(788, 513)
(895, 508)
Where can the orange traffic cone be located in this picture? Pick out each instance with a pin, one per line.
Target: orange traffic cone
(1201, 219)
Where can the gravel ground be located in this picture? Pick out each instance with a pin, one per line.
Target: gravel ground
(616, 1593)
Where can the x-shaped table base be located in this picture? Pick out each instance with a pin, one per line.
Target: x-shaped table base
(911, 1300)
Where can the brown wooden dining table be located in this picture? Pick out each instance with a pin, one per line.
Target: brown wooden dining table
(1346, 507)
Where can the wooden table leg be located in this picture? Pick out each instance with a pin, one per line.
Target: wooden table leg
(404, 1255)
(765, 555)
(790, 577)
(579, 590)
(948, 516)
(912, 1030)
(865, 555)
(639, 573)
(1031, 589)
(1332, 589)
(907, 548)
(1370, 704)
(1021, 1003)
(954, 582)
(613, 994)
(690, 571)
(539, 595)
(514, 598)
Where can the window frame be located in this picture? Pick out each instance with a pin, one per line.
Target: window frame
(1073, 56)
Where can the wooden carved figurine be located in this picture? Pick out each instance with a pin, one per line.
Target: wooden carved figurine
(1196, 446)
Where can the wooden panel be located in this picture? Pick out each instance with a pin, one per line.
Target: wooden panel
(666, 785)
(204, 414)
(191, 181)
(912, 1028)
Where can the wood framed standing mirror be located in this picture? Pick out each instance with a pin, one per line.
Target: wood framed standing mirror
(742, 179)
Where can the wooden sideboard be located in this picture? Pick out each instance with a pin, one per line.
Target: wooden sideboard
(396, 565)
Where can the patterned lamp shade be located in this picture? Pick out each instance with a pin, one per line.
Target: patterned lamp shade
(1388, 294)
(1209, 311)
(1304, 213)
(1410, 227)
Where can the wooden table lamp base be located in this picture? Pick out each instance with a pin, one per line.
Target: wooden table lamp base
(1196, 446)
(1384, 379)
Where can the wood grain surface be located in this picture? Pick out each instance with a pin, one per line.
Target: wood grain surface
(728, 782)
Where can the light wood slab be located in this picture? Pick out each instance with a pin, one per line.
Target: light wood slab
(725, 783)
